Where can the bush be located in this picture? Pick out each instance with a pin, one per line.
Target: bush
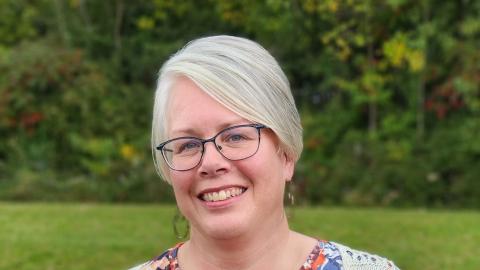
(71, 132)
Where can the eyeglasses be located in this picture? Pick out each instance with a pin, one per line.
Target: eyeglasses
(233, 143)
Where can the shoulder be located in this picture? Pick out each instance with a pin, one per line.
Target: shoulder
(166, 261)
(325, 255)
(355, 259)
(334, 256)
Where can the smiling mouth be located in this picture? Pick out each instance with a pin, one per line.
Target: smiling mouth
(222, 195)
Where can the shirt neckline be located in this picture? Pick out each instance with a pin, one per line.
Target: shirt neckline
(314, 259)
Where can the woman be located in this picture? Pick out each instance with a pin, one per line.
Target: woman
(226, 135)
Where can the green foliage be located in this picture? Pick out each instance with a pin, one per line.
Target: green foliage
(388, 90)
(17, 22)
(67, 127)
(397, 130)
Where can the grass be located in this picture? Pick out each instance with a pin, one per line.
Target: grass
(91, 236)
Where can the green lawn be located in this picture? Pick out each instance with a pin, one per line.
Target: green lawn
(90, 236)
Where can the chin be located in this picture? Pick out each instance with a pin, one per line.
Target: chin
(225, 229)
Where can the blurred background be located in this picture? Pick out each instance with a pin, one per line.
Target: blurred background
(389, 95)
(388, 92)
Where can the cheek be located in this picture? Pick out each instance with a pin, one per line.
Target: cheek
(180, 182)
(181, 185)
(263, 168)
(265, 175)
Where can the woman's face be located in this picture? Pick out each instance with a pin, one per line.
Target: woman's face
(260, 179)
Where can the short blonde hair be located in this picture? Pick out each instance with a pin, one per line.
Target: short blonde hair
(239, 74)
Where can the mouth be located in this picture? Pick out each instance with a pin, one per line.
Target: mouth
(221, 195)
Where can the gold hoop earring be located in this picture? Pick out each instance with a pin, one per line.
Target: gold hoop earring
(181, 227)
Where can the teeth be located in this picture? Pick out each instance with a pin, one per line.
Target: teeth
(222, 195)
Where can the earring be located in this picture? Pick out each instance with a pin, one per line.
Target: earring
(289, 200)
(181, 227)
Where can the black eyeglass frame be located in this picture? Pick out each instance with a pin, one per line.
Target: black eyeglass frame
(161, 146)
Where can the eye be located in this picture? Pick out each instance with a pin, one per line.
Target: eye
(235, 138)
(188, 147)
(238, 136)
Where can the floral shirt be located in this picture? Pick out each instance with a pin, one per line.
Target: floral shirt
(324, 256)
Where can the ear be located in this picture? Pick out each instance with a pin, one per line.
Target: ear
(288, 167)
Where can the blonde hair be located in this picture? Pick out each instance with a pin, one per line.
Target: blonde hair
(239, 74)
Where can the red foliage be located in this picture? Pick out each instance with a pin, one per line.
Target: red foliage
(443, 100)
(31, 119)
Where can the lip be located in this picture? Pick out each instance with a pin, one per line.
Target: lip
(217, 189)
(224, 203)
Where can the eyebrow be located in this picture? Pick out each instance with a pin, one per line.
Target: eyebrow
(195, 132)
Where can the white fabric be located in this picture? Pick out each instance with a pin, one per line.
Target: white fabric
(138, 267)
(359, 260)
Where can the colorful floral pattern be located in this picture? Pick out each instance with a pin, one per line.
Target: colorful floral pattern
(324, 256)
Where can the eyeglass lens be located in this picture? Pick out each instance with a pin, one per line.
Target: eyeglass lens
(233, 143)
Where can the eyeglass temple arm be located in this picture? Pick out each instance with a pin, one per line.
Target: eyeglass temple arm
(162, 147)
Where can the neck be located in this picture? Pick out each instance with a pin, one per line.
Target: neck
(252, 250)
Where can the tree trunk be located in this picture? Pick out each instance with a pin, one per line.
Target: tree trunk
(372, 103)
(420, 108)
(61, 23)
(421, 85)
(117, 32)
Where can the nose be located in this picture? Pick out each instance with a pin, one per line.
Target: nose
(213, 163)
